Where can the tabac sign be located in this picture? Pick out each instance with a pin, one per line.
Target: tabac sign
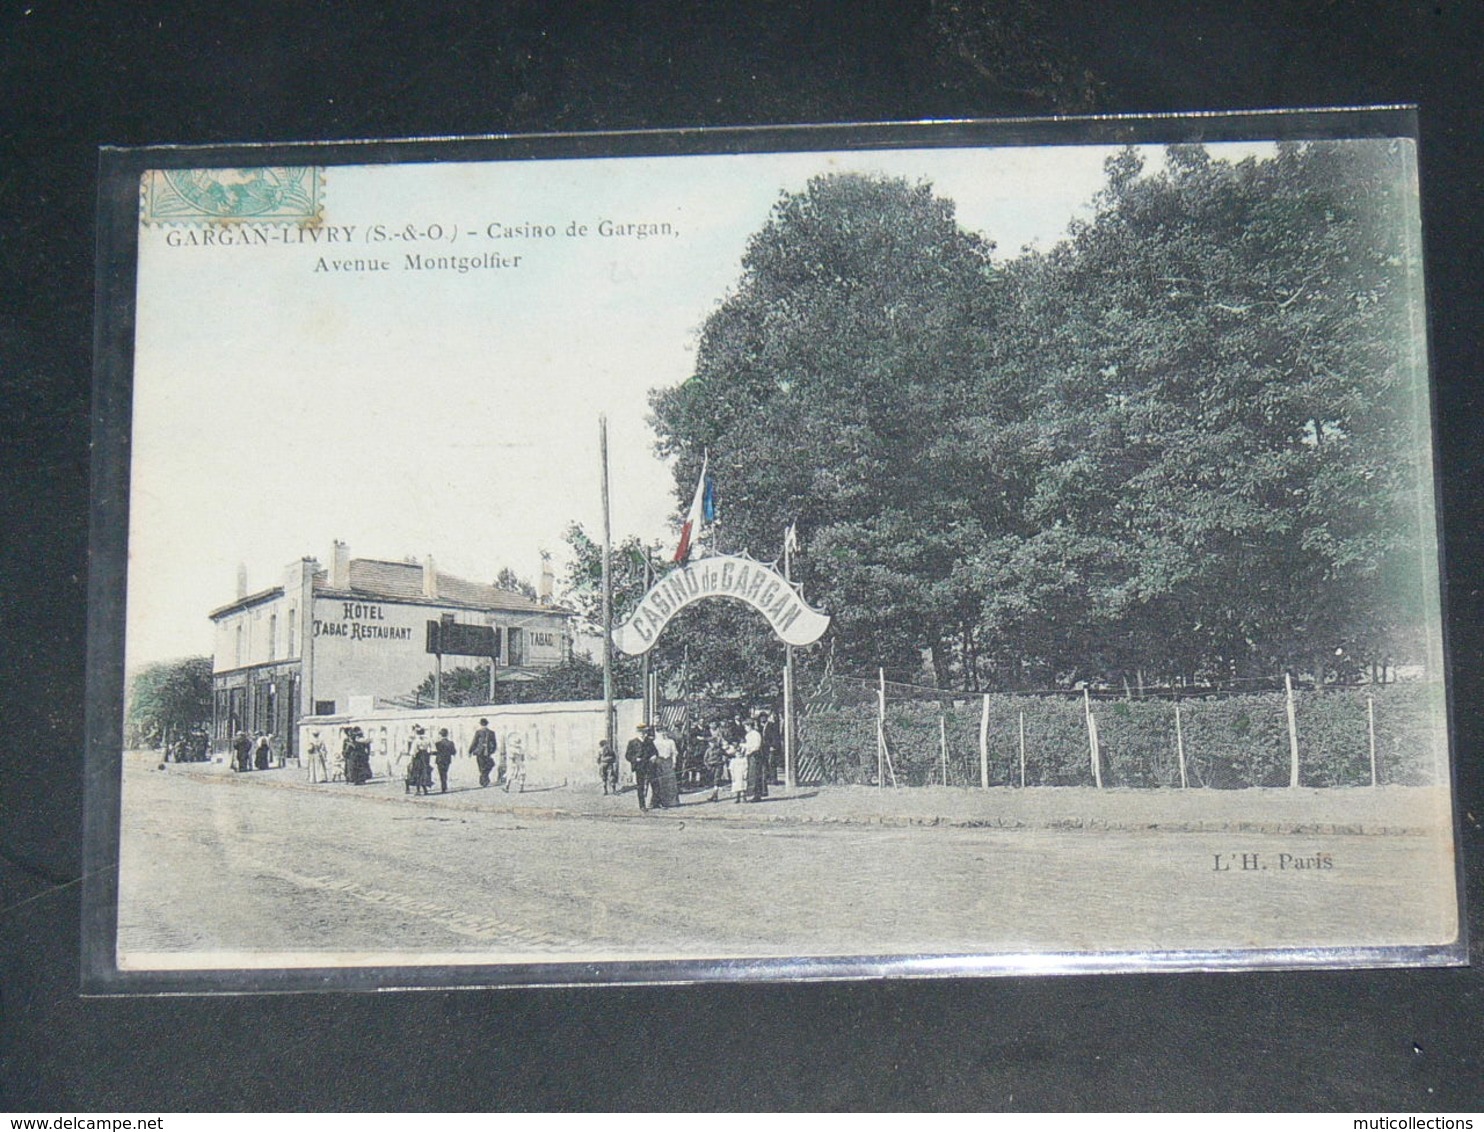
(728, 576)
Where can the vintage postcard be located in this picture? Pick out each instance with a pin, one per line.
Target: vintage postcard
(815, 553)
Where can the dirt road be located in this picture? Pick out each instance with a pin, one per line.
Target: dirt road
(253, 870)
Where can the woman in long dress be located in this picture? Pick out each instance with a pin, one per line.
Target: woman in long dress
(319, 759)
(357, 758)
(420, 769)
(666, 788)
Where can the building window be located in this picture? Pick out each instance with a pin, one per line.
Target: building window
(273, 637)
(292, 643)
(324, 707)
(238, 663)
(237, 710)
(516, 639)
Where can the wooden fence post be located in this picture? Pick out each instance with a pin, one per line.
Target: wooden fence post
(984, 745)
(1180, 744)
(881, 731)
(1293, 748)
(1092, 738)
(943, 743)
(1370, 718)
(1022, 750)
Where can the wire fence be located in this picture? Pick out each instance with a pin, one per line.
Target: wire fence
(854, 730)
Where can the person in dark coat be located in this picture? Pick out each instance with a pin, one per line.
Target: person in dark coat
(642, 755)
(443, 753)
(357, 757)
(772, 750)
(263, 753)
(483, 749)
(242, 749)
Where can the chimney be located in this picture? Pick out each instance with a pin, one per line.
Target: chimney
(430, 578)
(548, 579)
(339, 566)
(241, 580)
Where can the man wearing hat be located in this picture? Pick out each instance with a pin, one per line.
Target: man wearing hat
(483, 749)
(642, 755)
(443, 753)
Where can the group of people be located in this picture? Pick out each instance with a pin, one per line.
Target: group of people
(744, 751)
(421, 756)
(651, 755)
(252, 752)
(192, 748)
(419, 777)
(484, 748)
(748, 750)
(352, 765)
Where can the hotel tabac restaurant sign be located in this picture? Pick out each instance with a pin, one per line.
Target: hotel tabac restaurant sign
(728, 576)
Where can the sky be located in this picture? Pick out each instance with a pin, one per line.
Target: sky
(281, 403)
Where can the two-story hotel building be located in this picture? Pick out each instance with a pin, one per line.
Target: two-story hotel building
(353, 635)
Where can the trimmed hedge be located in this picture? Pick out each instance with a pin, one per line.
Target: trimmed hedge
(1230, 741)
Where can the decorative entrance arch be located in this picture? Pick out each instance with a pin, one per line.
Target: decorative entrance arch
(736, 577)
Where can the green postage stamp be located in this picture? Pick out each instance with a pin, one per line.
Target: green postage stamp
(292, 194)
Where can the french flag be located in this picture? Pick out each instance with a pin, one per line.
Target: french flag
(702, 508)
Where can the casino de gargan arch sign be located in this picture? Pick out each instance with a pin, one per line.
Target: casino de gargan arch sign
(732, 576)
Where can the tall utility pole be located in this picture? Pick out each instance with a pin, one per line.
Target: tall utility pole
(607, 591)
(651, 704)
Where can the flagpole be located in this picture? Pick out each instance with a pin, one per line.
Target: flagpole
(790, 777)
(607, 591)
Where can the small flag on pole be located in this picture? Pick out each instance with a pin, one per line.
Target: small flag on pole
(695, 519)
(708, 496)
(791, 538)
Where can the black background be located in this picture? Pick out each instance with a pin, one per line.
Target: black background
(71, 79)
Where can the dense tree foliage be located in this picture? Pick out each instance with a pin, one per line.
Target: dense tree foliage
(1222, 456)
(1189, 441)
(167, 699)
(820, 391)
(711, 649)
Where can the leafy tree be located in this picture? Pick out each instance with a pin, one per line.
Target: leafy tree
(583, 593)
(1223, 465)
(1186, 442)
(712, 648)
(167, 699)
(508, 579)
(819, 391)
(574, 679)
(459, 686)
